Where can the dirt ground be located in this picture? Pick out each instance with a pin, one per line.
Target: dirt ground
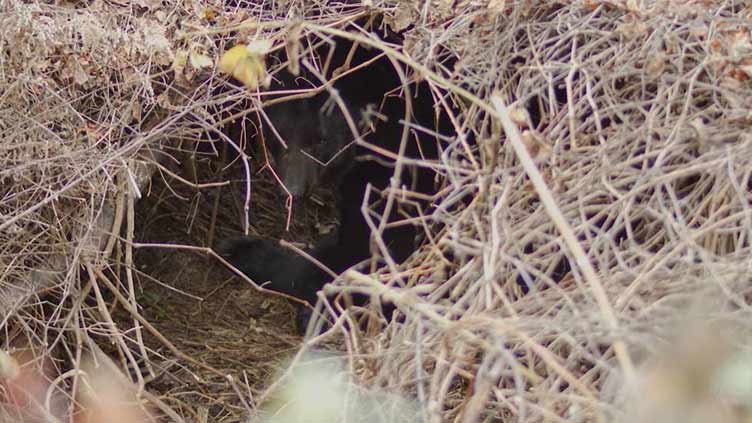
(197, 304)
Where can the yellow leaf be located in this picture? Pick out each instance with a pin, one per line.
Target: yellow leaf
(247, 64)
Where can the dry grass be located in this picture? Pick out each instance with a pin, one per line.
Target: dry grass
(622, 199)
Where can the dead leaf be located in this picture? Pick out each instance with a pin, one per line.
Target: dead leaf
(403, 17)
(247, 63)
(656, 65)
(200, 60)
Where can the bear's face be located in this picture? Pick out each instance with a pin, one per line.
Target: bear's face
(317, 144)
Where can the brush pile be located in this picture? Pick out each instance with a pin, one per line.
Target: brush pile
(598, 185)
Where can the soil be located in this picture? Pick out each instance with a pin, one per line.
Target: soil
(200, 306)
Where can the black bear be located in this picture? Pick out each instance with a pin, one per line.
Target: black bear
(304, 127)
(316, 127)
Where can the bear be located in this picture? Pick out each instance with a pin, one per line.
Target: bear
(266, 261)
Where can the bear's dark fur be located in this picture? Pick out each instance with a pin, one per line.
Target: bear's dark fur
(316, 137)
(317, 126)
(287, 272)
